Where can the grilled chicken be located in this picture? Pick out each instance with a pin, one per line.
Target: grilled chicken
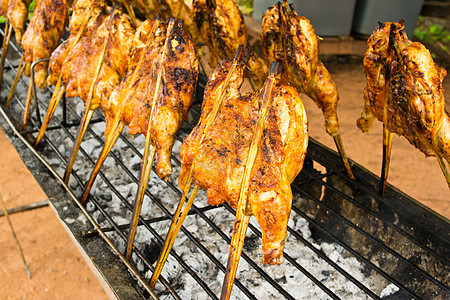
(290, 40)
(223, 29)
(414, 104)
(133, 98)
(83, 11)
(79, 67)
(43, 35)
(16, 11)
(167, 9)
(219, 161)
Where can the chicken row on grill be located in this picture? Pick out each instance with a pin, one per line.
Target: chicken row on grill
(145, 77)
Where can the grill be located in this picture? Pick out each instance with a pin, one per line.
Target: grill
(399, 248)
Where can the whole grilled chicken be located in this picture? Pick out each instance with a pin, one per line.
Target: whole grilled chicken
(83, 12)
(43, 35)
(290, 40)
(414, 104)
(133, 98)
(16, 11)
(218, 162)
(222, 28)
(79, 67)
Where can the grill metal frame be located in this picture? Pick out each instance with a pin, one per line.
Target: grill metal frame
(336, 206)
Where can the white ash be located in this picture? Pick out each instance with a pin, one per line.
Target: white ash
(389, 290)
(286, 275)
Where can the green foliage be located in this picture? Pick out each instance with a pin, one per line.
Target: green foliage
(246, 6)
(30, 12)
(31, 9)
(432, 34)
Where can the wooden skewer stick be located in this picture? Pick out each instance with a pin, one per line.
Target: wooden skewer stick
(32, 94)
(59, 88)
(5, 211)
(81, 132)
(242, 212)
(387, 135)
(444, 169)
(19, 73)
(146, 165)
(27, 106)
(179, 217)
(116, 128)
(340, 146)
(117, 125)
(387, 147)
(56, 97)
(130, 11)
(88, 113)
(6, 40)
(180, 213)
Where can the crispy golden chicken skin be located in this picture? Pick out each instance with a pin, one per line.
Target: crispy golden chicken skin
(43, 35)
(81, 10)
(415, 104)
(218, 163)
(79, 67)
(290, 40)
(133, 98)
(223, 29)
(16, 11)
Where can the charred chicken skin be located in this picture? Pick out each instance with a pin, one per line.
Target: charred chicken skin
(16, 11)
(222, 28)
(290, 40)
(42, 36)
(167, 9)
(218, 162)
(132, 99)
(79, 66)
(82, 11)
(414, 104)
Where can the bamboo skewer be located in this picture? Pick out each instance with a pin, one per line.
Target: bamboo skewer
(5, 45)
(117, 125)
(81, 132)
(5, 211)
(88, 113)
(444, 169)
(130, 12)
(387, 135)
(27, 106)
(387, 147)
(59, 88)
(242, 212)
(19, 73)
(146, 165)
(56, 97)
(180, 213)
(337, 136)
(340, 147)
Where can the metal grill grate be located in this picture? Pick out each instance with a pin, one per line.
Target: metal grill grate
(395, 241)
